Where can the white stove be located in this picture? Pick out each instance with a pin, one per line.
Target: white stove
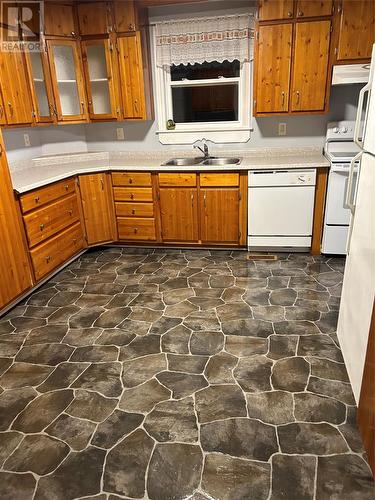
(339, 149)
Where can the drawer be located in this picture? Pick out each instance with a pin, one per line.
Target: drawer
(136, 228)
(44, 222)
(42, 196)
(132, 194)
(134, 209)
(218, 180)
(131, 179)
(55, 251)
(178, 179)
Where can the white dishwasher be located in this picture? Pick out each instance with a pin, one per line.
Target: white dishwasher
(280, 209)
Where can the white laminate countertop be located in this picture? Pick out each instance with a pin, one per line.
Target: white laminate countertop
(38, 172)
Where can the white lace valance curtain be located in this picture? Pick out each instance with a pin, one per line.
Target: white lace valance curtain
(205, 39)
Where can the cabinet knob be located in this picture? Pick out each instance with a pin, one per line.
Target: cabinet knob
(70, 212)
(298, 95)
(290, 14)
(130, 181)
(133, 212)
(282, 98)
(37, 199)
(66, 187)
(132, 196)
(41, 227)
(74, 240)
(300, 13)
(135, 230)
(131, 27)
(48, 259)
(73, 33)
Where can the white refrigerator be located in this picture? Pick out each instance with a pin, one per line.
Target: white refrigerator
(359, 277)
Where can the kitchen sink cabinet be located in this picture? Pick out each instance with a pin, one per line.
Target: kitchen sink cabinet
(179, 214)
(15, 271)
(98, 208)
(219, 215)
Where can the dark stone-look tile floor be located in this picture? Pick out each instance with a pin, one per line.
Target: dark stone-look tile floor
(167, 374)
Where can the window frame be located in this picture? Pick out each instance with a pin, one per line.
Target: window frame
(188, 133)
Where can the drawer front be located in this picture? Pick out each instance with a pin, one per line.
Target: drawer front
(136, 229)
(134, 209)
(40, 197)
(131, 179)
(219, 180)
(178, 179)
(132, 194)
(52, 253)
(49, 220)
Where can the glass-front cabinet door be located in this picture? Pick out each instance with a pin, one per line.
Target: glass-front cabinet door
(98, 65)
(41, 87)
(67, 80)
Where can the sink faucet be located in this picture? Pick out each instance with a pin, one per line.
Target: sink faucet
(204, 149)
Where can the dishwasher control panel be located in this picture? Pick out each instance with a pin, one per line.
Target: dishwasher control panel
(263, 178)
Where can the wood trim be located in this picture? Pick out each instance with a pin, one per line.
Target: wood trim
(243, 208)
(319, 205)
(366, 407)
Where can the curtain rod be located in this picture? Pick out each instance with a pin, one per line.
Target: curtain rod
(195, 19)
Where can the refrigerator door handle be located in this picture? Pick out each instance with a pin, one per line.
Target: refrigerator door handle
(349, 202)
(357, 125)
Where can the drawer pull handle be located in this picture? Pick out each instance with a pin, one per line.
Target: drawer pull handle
(133, 211)
(130, 181)
(41, 227)
(70, 212)
(48, 259)
(132, 196)
(74, 240)
(37, 199)
(135, 230)
(66, 187)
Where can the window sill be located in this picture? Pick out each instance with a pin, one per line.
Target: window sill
(227, 135)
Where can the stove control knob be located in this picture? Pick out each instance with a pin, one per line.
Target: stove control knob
(344, 130)
(335, 130)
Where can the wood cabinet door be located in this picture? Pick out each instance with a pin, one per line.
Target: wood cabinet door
(67, 80)
(98, 64)
(132, 77)
(94, 18)
(275, 9)
(179, 214)
(356, 30)
(59, 19)
(15, 274)
(41, 87)
(15, 89)
(3, 118)
(125, 15)
(272, 73)
(310, 66)
(220, 215)
(98, 210)
(313, 8)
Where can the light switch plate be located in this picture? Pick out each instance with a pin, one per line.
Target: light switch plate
(282, 128)
(26, 140)
(120, 134)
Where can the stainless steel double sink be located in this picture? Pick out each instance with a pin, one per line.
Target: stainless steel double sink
(213, 161)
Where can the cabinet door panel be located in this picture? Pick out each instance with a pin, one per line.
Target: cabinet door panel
(220, 215)
(275, 9)
(59, 19)
(94, 18)
(313, 8)
(357, 30)
(14, 86)
(132, 78)
(273, 68)
(179, 215)
(97, 59)
(67, 80)
(97, 207)
(15, 275)
(41, 87)
(310, 68)
(125, 15)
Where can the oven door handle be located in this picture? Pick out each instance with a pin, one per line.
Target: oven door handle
(358, 121)
(349, 202)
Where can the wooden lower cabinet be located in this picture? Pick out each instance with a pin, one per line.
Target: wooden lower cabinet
(179, 214)
(98, 209)
(15, 272)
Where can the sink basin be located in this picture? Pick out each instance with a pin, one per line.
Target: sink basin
(221, 161)
(182, 162)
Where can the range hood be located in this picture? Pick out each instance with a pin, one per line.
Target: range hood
(345, 74)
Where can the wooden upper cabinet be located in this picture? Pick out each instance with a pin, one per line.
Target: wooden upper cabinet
(59, 19)
(310, 66)
(355, 24)
(15, 89)
(67, 80)
(94, 18)
(125, 15)
(41, 87)
(313, 8)
(15, 274)
(179, 214)
(272, 71)
(99, 76)
(132, 77)
(98, 210)
(219, 215)
(270, 10)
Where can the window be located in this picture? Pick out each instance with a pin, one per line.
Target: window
(210, 100)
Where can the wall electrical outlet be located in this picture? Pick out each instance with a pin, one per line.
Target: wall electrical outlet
(120, 134)
(26, 140)
(282, 128)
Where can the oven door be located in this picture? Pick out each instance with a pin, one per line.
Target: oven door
(336, 213)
